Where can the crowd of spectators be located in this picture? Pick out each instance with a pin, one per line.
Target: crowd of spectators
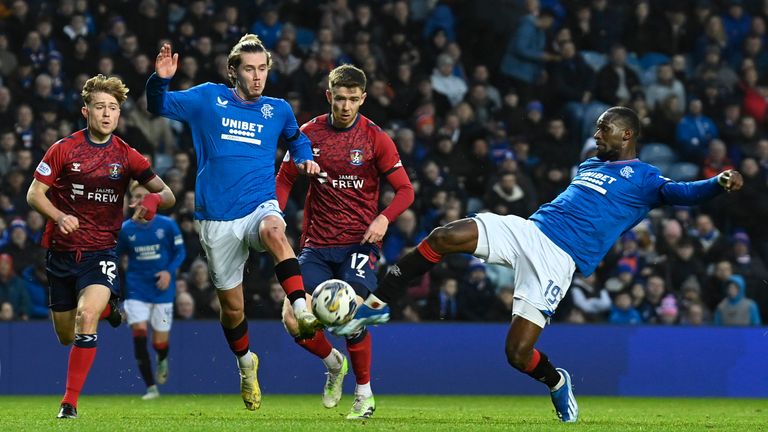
(491, 105)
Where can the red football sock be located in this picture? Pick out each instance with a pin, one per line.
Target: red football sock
(360, 355)
(317, 344)
(105, 313)
(80, 361)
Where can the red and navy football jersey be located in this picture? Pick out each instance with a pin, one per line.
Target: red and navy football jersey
(340, 208)
(89, 181)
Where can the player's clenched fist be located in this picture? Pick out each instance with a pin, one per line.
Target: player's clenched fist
(730, 180)
(68, 223)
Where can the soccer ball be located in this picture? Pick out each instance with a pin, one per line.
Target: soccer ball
(334, 302)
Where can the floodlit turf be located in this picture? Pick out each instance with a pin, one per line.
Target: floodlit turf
(394, 414)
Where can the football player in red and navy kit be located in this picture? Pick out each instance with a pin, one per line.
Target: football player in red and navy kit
(79, 186)
(343, 227)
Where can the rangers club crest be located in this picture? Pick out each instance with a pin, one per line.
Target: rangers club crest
(115, 171)
(627, 172)
(266, 111)
(356, 157)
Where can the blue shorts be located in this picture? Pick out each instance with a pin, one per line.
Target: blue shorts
(68, 275)
(355, 264)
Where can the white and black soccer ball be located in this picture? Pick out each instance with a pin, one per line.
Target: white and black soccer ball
(334, 302)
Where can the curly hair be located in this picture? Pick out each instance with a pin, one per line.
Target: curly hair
(101, 84)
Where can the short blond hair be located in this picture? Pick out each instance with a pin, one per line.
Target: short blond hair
(249, 43)
(101, 84)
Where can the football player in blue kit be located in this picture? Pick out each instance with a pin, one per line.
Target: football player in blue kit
(155, 250)
(609, 195)
(235, 132)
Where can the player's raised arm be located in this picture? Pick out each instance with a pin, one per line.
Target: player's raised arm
(166, 62)
(691, 193)
(184, 105)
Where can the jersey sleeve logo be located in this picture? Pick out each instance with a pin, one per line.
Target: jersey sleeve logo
(266, 111)
(43, 169)
(627, 172)
(115, 171)
(356, 157)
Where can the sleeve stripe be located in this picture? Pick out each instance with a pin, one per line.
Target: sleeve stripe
(394, 168)
(294, 137)
(145, 176)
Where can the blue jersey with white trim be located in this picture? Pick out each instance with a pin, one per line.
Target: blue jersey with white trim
(235, 141)
(151, 247)
(605, 199)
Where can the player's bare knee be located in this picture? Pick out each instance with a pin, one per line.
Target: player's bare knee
(518, 356)
(86, 318)
(441, 239)
(232, 315)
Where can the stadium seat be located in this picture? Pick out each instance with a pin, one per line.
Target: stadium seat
(683, 171)
(652, 59)
(657, 153)
(594, 59)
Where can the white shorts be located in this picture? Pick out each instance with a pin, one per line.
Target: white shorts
(159, 315)
(226, 244)
(543, 271)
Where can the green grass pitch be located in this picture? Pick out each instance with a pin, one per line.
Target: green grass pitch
(394, 414)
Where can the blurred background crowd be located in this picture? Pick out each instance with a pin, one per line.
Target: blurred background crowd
(491, 104)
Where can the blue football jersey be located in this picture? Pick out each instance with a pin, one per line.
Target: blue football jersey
(605, 199)
(235, 142)
(151, 247)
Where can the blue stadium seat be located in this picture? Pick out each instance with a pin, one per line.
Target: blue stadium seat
(651, 59)
(683, 171)
(657, 153)
(594, 59)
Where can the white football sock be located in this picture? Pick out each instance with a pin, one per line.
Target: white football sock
(246, 361)
(363, 390)
(333, 361)
(299, 306)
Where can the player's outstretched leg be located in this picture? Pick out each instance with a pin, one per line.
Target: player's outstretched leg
(521, 354)
(457, 236)
(374, 310)
(359, 347)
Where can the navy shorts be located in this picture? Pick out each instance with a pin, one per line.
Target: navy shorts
(69, 273)
(355, 264)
